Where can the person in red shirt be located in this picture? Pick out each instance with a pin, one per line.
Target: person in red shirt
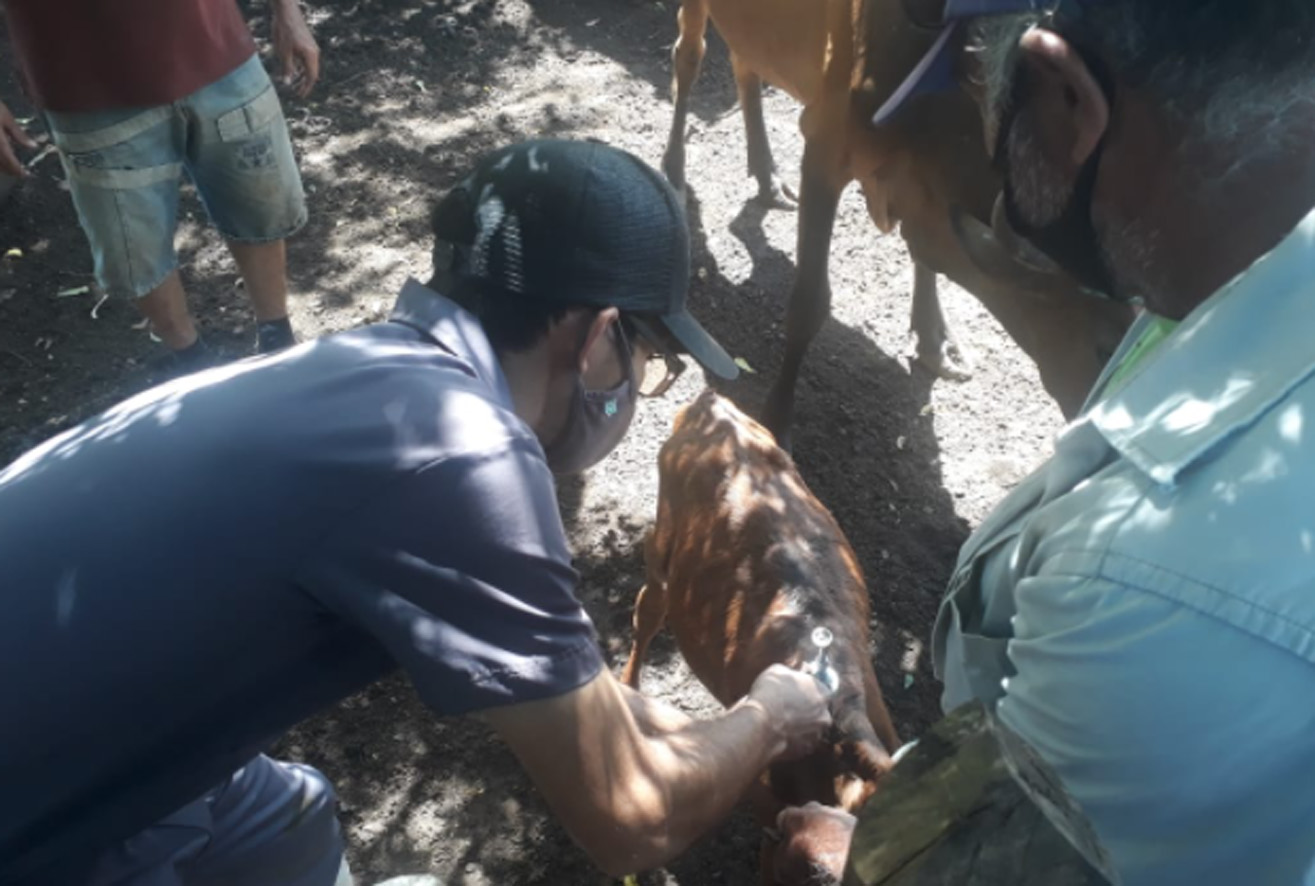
(137, 92)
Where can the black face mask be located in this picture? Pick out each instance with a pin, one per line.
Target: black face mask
(597, 420)
(1070, 241)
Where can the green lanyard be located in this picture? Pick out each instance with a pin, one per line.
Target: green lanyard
(1156, 331)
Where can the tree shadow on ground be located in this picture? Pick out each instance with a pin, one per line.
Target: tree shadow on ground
(402, 108)
(400, 112)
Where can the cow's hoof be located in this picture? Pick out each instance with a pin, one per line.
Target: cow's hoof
(776, 194)
(948, 361)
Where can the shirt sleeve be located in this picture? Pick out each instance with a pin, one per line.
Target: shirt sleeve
(1184, 739)
(461, 570)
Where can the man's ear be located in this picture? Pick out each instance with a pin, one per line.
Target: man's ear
(1069, 111)
(597, 331)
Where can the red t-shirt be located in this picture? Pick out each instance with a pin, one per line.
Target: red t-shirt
(95, 55)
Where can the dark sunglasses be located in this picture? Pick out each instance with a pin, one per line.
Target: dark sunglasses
(655, 384)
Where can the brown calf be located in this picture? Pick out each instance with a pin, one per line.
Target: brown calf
(742, 565)
(927, 172)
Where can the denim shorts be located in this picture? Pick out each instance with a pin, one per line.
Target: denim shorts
(125, 166)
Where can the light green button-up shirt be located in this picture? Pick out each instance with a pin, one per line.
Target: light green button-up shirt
(1142, 608)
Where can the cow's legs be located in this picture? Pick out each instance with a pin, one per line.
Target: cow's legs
(810, 299)
(771, 191)
(937, 350)
(687, 59)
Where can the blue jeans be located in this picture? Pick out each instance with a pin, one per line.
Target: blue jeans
(270, 824)
(125, 167)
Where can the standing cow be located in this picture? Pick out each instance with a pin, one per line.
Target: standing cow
(926, 171)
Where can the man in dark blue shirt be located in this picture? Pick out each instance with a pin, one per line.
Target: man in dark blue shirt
(189, 574)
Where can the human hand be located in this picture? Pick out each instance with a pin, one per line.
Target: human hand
(10, 134)
(297, 51)
(814, 844)
(796, 707)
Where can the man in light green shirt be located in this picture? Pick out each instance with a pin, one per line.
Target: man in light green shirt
(1141, 609)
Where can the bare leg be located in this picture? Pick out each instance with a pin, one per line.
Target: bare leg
(165, 307)
(687, 59)
(647, 622)
(762, 166)
(264, 267)
(937, 350)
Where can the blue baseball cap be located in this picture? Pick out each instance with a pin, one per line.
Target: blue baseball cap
(936, 71)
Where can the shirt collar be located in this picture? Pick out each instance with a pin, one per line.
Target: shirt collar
(452, 328)
(1228, 363)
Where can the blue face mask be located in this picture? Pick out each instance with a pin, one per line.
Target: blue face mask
(597, 419)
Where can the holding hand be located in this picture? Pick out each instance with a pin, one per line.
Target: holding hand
(796, 705)
(298, 53)
(10, 134)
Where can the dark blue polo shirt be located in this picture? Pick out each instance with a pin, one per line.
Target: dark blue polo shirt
(189, 574)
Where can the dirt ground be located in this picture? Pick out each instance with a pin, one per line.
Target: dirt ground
(412, 91)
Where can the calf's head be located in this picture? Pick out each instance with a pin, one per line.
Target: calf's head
(812, 847)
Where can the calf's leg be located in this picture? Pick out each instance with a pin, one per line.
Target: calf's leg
(878, 714)
(650, 611)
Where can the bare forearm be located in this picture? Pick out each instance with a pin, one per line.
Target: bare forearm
(706, 766)
(635, 781)
(653, 717)
(11, 133)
